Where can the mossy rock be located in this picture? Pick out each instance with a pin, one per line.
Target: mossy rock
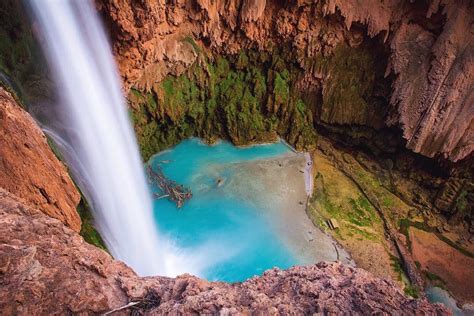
(348, 93)
(22, 63)
(227, 97)
(252, 96)
(88, 231)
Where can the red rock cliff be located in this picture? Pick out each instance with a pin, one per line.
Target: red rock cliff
(29, 169)
(430, 48)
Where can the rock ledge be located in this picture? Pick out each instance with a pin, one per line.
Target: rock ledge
(47, 268)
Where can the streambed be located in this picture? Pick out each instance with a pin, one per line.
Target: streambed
(247, 213)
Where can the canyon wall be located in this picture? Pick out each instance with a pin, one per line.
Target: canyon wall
(392, 77)
(38, 253)
(425, 50)
(30, 169)
(381, 76)
(386, 75)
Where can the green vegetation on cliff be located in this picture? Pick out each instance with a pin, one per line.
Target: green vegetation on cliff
(253, 96)
(246, 98)
(22, 65)
(88, 231)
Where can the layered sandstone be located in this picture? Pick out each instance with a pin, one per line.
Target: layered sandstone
(28, 167)
(47, 268)
(429, 47)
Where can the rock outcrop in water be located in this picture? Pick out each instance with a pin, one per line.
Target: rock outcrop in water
(29, 168)
(39, 253)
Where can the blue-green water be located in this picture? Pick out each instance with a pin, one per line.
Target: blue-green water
(438, 295)
(217, 234)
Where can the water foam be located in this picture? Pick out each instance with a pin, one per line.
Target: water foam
(90, 124)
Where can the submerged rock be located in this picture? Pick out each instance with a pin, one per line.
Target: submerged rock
(47, 268)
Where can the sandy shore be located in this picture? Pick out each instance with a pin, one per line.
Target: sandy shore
(280, 187)
(308, 169)
(308, 174)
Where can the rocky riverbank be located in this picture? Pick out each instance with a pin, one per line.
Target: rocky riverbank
(39, 253)
(386, 233)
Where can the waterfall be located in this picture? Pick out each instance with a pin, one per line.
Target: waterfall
(89, 123)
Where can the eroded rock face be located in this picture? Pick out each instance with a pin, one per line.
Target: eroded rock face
(47, 268)
(429, 47)
(433, 93)
(28, 167)
(384, 75)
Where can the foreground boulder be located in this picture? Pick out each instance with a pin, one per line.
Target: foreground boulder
(47, 268)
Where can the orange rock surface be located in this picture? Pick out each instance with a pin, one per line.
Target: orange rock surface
(456, 269)
(430, 51)
(29, 169)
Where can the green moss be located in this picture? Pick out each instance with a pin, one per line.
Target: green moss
(281, 90)
(222, 68)
(353, 221)
(168, 86)
(242, 61)
(433, 277)
(88, 231)
(362, 233)
(190, 40)
(246, 98)
(371, 181)
(362, 213)
(408, 288)
(301, 107)
(388, 201)
(404, 226)
(397, 267)
(412, 291)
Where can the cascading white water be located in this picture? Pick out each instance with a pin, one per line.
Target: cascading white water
(90, 125)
